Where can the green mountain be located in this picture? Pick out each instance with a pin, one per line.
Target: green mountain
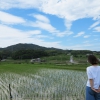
(25, 46)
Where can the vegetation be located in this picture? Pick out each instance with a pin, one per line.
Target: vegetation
(28, 54)
(42, 81)
(24, 67)
(29, 51)
(52, 78)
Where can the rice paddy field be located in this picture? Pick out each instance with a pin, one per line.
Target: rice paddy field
(42, 82)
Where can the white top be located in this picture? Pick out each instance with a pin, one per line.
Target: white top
(93, 72)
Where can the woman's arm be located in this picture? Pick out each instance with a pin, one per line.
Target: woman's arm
(92, 84)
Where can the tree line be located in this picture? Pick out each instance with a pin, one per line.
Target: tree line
(28, 54)
(32, 54)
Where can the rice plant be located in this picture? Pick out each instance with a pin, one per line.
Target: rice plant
(46, 84)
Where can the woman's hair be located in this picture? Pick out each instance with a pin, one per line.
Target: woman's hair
(92, 59)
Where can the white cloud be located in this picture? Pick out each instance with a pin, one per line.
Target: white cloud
(80, 47)
(10, 36)
(7, 4)
(37, 41)
(79, 34)
(9, 32)
(72, 10)
(97, 29)
(41, 18)
(85, 46)
(4, 42)
(41, 36)
(86, 42)
(69, 10)
(45, 26)
(95, 24)
(62, 34)
(86, 36)
(34, 32)
(43, 22)
(14, 36)
(7, 18)
(48, 27)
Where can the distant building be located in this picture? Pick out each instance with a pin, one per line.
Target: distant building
(32, 60)
(38, 60)
(3, 60)
(35, 60)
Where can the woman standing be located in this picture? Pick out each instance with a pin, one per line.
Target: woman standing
(93, 83)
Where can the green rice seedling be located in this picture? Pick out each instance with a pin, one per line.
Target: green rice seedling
(45, 84)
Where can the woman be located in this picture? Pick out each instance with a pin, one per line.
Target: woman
(93, 83)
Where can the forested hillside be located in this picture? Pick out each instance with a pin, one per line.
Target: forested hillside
(28, 51)
(25, 46)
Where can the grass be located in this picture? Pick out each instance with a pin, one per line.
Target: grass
(32, 68)
(18, 68)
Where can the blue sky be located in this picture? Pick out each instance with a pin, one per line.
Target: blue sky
(64, 24)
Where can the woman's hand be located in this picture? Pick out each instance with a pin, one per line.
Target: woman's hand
(99, 90)
(96, 90)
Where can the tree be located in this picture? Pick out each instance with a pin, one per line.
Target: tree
(29, 54)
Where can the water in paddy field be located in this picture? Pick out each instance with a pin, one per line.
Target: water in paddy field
(47, 84)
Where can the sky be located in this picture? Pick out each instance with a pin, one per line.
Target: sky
(64, 24)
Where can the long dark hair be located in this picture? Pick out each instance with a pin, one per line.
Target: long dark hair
(92, 59)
